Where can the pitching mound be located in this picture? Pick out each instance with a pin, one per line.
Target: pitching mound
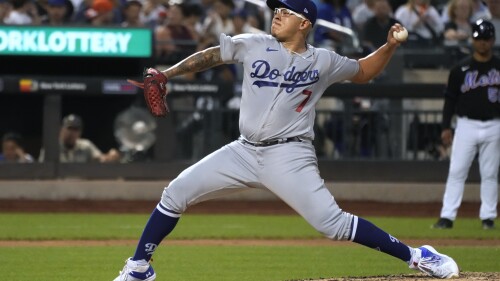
(420, 277)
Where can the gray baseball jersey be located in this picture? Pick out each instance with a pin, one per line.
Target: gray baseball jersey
(280, 90)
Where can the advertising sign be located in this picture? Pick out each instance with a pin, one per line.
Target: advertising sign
(50, 85)
(75, 41)
(118, 87)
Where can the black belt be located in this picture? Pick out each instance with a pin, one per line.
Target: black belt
(269, 143)
(482, 119)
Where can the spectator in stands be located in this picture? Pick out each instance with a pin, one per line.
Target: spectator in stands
(458, 30)
(41, 8)
(132, 14)
(395, 4)
(341, 14)
(56, 13)
(174, 36)
(24, 12)
(350, 4)
(101, 13)
(192, 19)
(13, 151)
(207, 7)
(254, 13)
(480, 11)
(494, 7)
(154, 12)
(217, 21)
(422, 21)
(241, 24)
(72, 9)
(75, 149)
(362, 13)
(79, 16)
(334, 11)
(375, 29)
(5, 8)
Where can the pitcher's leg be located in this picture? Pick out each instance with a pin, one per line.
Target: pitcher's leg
(224, 171)
(463, 151)
(157, 228)
(290, 171)
(228, 170)
(295, 179)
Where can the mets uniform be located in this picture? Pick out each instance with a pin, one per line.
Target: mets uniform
(473, 95)
(275, 151)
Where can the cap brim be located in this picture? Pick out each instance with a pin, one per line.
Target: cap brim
(133, 2)
(73, 127)
(276, 4)
(482, 37)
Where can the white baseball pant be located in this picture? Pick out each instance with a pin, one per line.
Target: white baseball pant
(471, 137)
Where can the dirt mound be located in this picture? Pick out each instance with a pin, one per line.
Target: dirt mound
(420, 277)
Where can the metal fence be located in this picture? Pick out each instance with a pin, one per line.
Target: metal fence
(356, 134)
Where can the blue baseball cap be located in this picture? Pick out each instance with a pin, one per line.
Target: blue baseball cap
(57, 2)
(304, 7)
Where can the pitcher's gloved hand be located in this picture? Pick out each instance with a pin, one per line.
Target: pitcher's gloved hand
(155, 91)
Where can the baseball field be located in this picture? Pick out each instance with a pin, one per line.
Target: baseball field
(225, 240)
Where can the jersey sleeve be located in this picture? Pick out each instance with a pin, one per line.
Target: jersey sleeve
(91, 149)
(451, 93)
(233, 48)
(454, 82)
(341, 68)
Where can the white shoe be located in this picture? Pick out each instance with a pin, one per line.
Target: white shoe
(136, 271)
(430, 262)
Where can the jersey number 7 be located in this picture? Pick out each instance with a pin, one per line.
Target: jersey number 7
(303, 103)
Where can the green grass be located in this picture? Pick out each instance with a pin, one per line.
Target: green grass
(219, 263)
(126, 226)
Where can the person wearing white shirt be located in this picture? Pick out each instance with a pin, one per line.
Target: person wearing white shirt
(480, 11)
(421, 18)
(23, 13)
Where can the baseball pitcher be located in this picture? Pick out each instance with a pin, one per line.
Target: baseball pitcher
(283, 80)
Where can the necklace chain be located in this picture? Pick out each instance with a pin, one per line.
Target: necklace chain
(295, 53)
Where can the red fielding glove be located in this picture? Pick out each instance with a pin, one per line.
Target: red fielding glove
(155, 91)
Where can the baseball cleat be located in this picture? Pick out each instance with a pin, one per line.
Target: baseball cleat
(443, 223)
(488, 224)
(429, 261)
(136, 271)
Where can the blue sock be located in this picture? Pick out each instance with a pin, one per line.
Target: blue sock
(157, 228)
(369, 235)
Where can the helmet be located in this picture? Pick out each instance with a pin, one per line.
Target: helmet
(483, 29)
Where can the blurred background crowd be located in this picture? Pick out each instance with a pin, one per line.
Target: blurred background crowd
(181, 27)
(188, 25)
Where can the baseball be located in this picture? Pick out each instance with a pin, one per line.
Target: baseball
(400, 35)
